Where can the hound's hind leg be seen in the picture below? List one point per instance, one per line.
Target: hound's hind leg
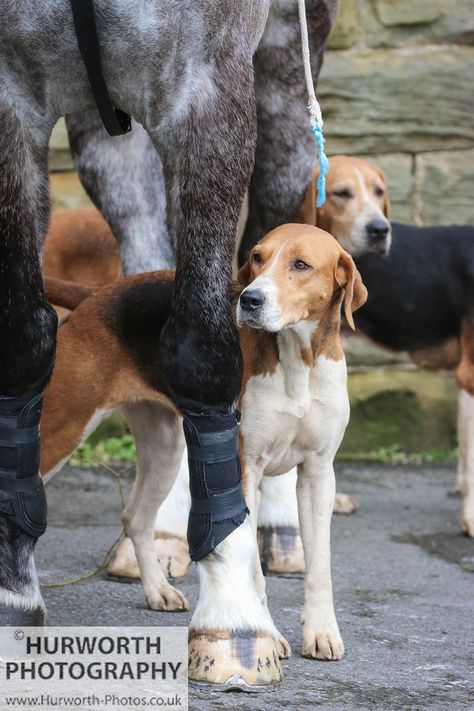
(465, 378)
(466, 461)
(160, 443)
(123, 177)
(171, 546)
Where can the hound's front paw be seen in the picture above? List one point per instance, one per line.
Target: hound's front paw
(283, 646)
(345, 504)
(467, 517)
(166, 598)
(322, 640)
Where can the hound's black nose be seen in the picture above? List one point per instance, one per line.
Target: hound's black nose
(377, 230)
(252, 300)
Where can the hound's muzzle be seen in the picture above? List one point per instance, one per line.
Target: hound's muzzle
(378, 232)
(251, 301)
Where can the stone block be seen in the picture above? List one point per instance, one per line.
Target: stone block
(407, 12)
(446, 187)
(409, 100)
(345, 29)
(400, 23)
(407, 409)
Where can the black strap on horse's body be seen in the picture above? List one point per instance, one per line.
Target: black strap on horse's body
(116, 121)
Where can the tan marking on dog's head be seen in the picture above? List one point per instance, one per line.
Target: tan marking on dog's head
(357, 205)
(298, 273)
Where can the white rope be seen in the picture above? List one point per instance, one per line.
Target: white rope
(313, 108)
(313, 104)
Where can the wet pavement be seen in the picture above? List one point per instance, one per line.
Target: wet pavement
(403, 583)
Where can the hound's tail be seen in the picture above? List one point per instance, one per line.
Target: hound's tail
(66, 293)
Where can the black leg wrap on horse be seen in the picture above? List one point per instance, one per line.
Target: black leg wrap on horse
(22, 497)
(217, 501)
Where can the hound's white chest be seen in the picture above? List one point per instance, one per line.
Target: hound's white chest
(294, 410)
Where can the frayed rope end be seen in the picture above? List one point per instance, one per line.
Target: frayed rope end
(323, 164)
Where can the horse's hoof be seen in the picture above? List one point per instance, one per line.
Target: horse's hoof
(281, 550)
(14, 617)
(244, 660)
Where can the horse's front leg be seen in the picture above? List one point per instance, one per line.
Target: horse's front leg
(207, 155)
(27, 345)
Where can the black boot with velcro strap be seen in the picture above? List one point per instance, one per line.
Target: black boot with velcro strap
(217, 502)
(22, 497)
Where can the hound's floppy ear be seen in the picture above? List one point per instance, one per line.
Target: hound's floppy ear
(308, 213)
(386, 203)
(243, 275)
(355, 293)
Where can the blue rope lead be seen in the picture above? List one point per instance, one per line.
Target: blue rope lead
(323, 163)
(313, 107)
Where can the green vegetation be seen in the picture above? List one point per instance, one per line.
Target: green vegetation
(107, 451)
(117, 450)
(398, 416)
(396, 455)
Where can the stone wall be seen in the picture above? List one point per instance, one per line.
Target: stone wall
(397, 86)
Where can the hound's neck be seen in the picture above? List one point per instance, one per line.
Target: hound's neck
(295, 343)
(300, 345)
(295, 350)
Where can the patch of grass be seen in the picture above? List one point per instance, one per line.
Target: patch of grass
(116, 450)
(107, 451)
(394, 454)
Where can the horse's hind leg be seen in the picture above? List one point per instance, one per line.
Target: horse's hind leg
(27, 344)
(123, 177)
(286, 153)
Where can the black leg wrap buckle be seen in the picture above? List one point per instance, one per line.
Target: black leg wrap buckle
(217, 501)
(22, 497)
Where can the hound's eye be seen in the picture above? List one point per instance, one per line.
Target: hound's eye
(379, 192)
(300, 265)
(344, 194)
(257, 258)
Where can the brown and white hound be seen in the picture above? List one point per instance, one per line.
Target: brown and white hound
(294, 408)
